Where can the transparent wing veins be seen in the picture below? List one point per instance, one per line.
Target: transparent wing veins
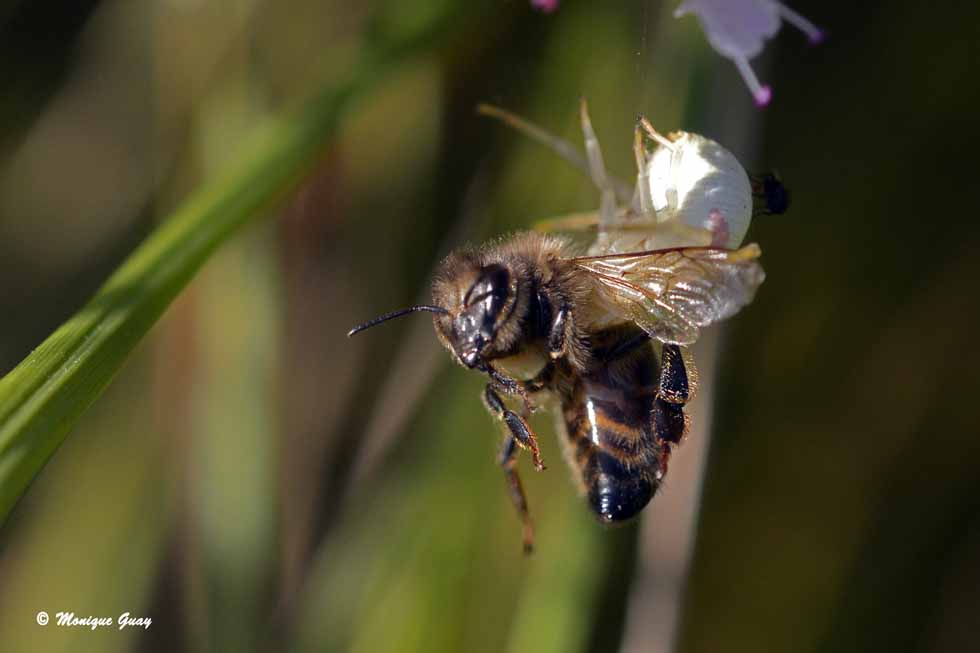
(672, 293)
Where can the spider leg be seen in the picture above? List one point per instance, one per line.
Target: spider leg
(558, 145)
(597, 168)
(655, 135)
(642, 201)
(671, 191)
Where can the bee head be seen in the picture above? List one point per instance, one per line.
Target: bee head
(479, 297)
(474, 301)
(474, 326)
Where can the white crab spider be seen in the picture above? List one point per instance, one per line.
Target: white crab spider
(692, 180)
(690, 191)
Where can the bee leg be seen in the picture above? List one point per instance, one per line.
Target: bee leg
(673, 385)
(669, 421)
(508, 460)
(564, 339)
(513, 387)
(673, 391)
(516, 424)
(597, 169)
(557, 333)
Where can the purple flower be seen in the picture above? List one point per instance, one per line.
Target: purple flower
(737, 29)
(545, 6)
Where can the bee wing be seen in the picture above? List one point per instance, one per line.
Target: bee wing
(672, 293)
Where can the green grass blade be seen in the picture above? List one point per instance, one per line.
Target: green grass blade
(45, 394)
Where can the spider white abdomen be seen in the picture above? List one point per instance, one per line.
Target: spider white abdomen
(700, 183)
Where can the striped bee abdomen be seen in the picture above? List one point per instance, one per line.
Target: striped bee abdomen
(610, 427)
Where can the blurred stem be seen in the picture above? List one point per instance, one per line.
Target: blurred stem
(41, 399)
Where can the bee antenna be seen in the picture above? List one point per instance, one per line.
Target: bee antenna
(392, 315)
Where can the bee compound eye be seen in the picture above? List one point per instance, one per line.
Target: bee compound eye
(490, 288)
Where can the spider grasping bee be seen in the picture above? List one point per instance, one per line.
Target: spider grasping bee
(601, 337)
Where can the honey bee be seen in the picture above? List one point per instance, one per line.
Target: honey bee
(601, 337)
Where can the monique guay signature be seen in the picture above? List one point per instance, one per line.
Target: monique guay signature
(125, 620)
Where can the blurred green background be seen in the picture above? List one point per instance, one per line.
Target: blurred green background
(254, 481)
